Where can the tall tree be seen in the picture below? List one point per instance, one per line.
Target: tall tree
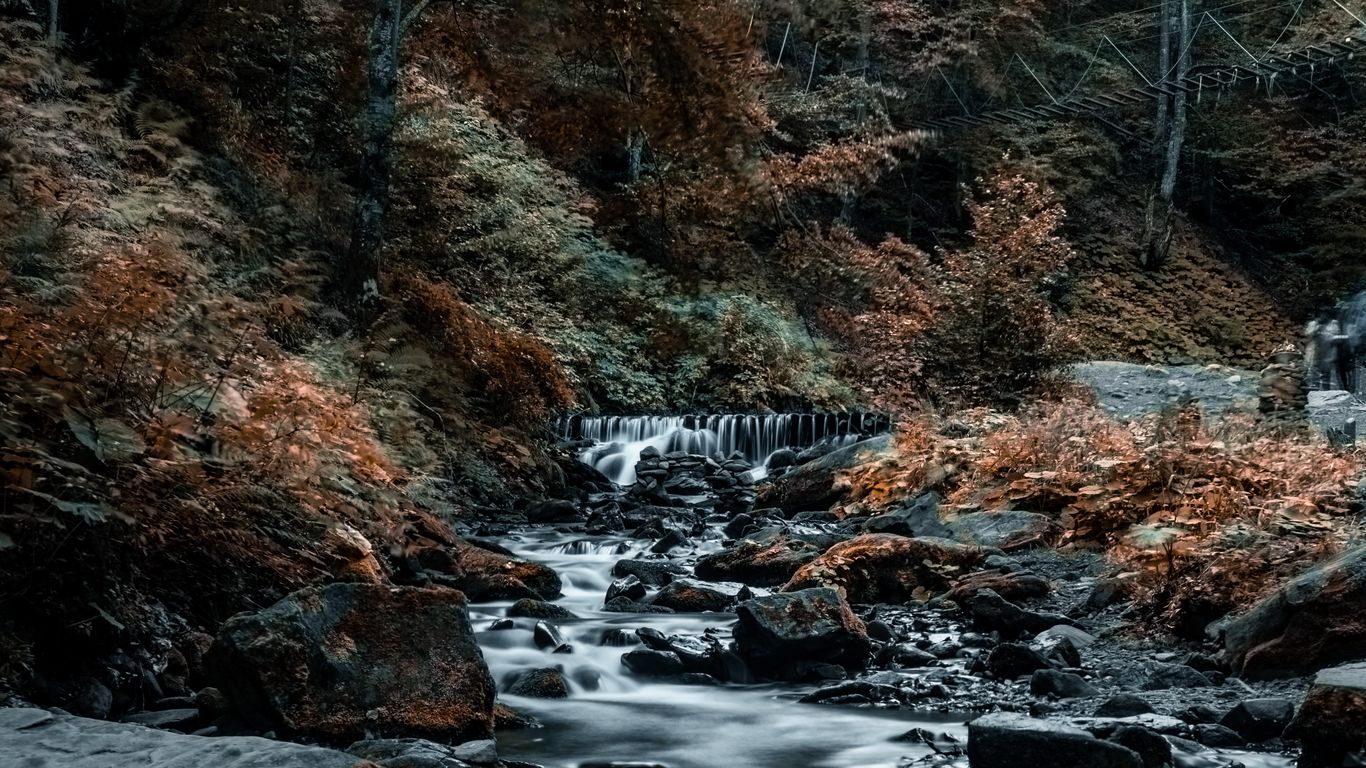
(358, 270)
(1170, 135)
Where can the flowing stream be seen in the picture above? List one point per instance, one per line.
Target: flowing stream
(626, 718)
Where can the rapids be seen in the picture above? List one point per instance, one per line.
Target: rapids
(611, 715)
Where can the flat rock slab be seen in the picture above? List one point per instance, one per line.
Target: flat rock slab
(35, 738)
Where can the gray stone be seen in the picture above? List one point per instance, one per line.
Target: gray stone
(1260, 719)
(811, 625)
(1008, 661)
(1154, 750)
(1009, 740)
(31, 737)
(1331, 723)
(1063, 685)
(183, 720)
(1124, 705)
(1006, 530)
(1175, 676)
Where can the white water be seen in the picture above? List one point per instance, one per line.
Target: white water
(620, 439)
(627, 718)
(635, 719)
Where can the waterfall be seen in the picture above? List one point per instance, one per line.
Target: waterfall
(618, 440)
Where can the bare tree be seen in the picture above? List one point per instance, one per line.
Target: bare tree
(1171, 128)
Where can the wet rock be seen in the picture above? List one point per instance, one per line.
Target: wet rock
(941, 743)
(486, 576)
(1215, 735)
(852, 691)
(629, 587)
(691, 596)
(553, 511)
(506, 718)
(528, 608)
(993, 613)
(882, 567)
(1105, 593)
(212, 702)
(183, 720)
(1008, 661)
(546, 636)
(1175, 676)
(818, 483)
(539, 683)
(1007, 530)
(1259, 719)
(34, 737)
(653, 663)
(1124, 705)
(626, 605)
(1313, 620)
(908, 655)
(619, 638)
(420, 753)
(1062, 685)
(1008, 740)
(1331, 723)
(332, 662)
(781, 458)
(1057, 648)
(767, 564)
(1151, 748)
(654, 573)
(775, 632)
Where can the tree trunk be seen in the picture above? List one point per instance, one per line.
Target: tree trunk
(1160, 206)
(635, 155)
(358, 273)
(52, 19)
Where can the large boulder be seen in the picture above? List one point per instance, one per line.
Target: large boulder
(693, 596)
(779, 633)
(768, 562)
(918, 518)
(485, 575)
(1315, 619)
(34, 737)
(886, 568)
(1331, 723)
(343, 661)
(820, 483)
(1009, 740)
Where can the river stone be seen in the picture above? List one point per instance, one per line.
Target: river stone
(885, 568)
(420, 753)
(1331, 722)
(818, 484)
(341, 661)
(692, 596)
(1020, 585)
(918, 518)
(1006, 530)
(655, 573)
(1259, 719)
(1124, 705)
(1009, 740)
(1175, 676)
(1313, 620)
(628, 587)
(486, 576)
(1008, 661)
(993, 613)
(653, 663)
(1217, 736)
(1063, 685)
(1151, 748)
(767, 564)
(33, 737)
(183, 720)
(539, 683)
(539, 609)
(776, 632)
(623, 604)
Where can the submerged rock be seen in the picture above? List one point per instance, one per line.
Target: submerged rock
(34, 737)
(539, 683)
(883, 567)
(1259, 719)
(1313, 620)
(539, 609)
(774, 634)
(342, 661)
(1008, 740)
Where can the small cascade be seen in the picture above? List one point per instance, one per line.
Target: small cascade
(618, 440)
